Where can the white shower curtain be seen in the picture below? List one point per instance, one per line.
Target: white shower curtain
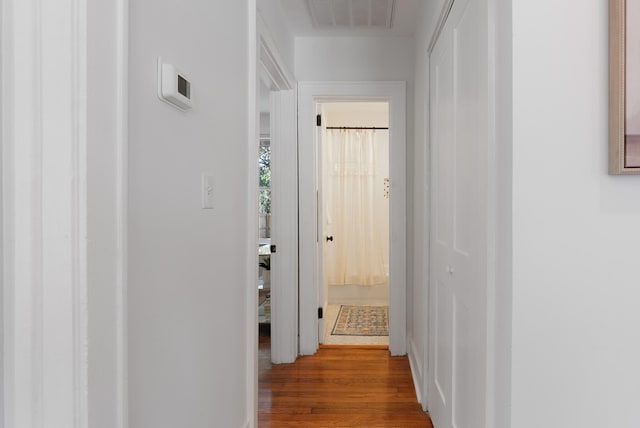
(353, 213)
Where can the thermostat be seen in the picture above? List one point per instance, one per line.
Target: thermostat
(173, 86)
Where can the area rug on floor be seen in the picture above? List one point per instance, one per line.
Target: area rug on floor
(362, 321)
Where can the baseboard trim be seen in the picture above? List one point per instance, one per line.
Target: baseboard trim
(415, 371)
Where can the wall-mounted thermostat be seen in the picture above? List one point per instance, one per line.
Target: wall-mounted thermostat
(173, 86)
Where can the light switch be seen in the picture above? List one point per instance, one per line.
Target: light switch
(207, 191)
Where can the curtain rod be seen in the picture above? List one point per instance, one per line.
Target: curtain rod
(353, 127)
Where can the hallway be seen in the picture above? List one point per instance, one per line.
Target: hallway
(339, 388)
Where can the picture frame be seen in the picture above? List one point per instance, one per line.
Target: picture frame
(624, 87)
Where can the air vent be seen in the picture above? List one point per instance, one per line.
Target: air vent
(351, 13)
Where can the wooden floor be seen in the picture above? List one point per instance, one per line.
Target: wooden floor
(338, 388)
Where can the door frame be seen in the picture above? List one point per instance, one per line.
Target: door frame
(284, 203)
(272, 70)
(55, 263)
(309, 94)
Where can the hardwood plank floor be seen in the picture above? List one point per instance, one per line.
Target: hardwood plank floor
(338, 388)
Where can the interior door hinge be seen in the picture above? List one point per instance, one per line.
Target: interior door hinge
(318, 120)
(319, 313)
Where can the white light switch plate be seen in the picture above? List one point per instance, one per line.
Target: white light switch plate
(207, 191)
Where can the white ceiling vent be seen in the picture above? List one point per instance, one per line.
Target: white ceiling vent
(351, 13)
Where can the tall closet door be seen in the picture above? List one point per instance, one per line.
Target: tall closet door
(458, 276)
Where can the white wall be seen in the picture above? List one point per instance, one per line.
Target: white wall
(355, 59)
(576, 342)
(275, 20)
(356, 114)
(418, 295)
(187, 266)
(632, 64)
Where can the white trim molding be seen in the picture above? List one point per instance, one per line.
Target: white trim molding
(106, 176)
(310, 93)
(442, 19)
(44, 201)
(251, 357)
(272, 67)
(417, 371)
(122, 196)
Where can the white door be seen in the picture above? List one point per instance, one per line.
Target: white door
(458, 284)
(284, 233)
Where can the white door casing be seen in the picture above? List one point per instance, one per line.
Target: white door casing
(321, 277)
(44, 90)
(460, 126)
(284, 198)
(64, 212)
(309, 94)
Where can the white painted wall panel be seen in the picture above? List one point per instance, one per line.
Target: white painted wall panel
(187, 291)
(576, 342)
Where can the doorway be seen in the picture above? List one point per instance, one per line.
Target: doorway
(277, 256)
(264, 217)
(312, 239)
(354, 198)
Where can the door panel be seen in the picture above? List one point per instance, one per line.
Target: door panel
(443, 335)
(441, 328)
(459, 128)
(284, 207)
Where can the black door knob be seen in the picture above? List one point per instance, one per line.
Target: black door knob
(329, 238)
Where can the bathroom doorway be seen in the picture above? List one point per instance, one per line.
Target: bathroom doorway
(311, 242)
(354, 200)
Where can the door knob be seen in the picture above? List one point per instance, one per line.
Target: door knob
(329, 238)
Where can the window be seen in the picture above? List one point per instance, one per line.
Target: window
(264, 177)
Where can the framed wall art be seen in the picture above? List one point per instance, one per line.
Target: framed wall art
(624, 87)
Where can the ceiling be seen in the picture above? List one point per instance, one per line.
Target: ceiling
(301, 24)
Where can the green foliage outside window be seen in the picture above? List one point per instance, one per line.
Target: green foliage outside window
(264, 177)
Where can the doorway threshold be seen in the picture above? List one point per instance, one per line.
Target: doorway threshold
(376, 347)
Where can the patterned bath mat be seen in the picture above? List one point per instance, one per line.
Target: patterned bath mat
(362, 321)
